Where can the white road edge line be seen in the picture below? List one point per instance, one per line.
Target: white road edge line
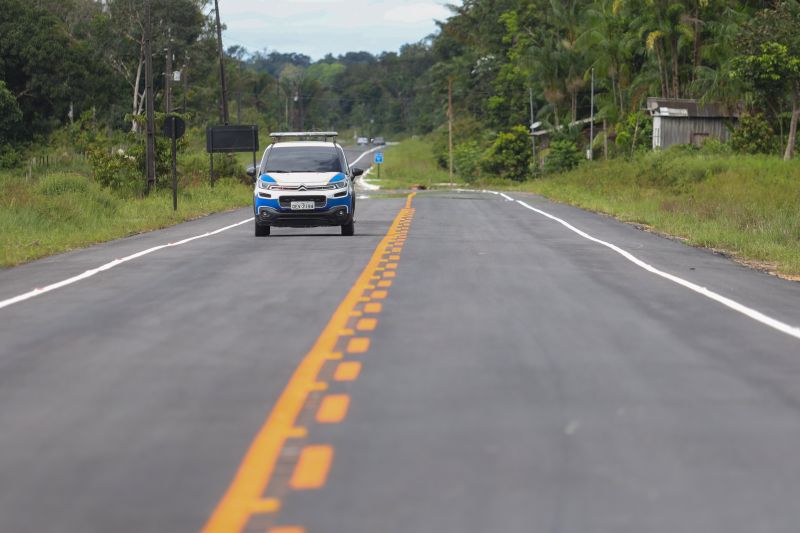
(116, 262)
(753, 314)
(108, 266)
(365, 154)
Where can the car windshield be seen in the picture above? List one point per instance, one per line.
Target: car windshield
(303, 159)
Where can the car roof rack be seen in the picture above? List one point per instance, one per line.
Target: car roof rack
(304, 135)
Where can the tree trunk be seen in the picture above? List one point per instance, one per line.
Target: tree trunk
(676, 81)
(574, 106)
(137, 108)
(605, 140)
(663, 71)
(789, 153)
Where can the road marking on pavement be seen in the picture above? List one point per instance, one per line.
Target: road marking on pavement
(267, 505)
(367, 324)
(373, 308)
(112, 264)
(333, 408)
(749, 312)
(358, 345)
(254, 476)
(287, 529)
(311, 471)
(347, 371)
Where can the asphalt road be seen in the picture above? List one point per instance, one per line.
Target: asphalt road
(487, 369)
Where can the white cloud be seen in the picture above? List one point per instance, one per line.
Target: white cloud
(418, 13)
(318, 27)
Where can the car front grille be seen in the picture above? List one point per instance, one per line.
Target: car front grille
(286, 201)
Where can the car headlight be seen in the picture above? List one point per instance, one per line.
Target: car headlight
(263, 185)
(340, 184)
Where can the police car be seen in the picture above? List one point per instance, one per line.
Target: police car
(304, 180)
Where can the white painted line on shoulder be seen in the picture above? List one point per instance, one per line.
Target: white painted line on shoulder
(507, 197)
(365, 154)
(727, 302)
(108, 266)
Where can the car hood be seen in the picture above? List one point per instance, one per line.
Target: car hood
(305, 178)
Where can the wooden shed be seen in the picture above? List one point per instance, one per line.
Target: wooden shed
(679, 121)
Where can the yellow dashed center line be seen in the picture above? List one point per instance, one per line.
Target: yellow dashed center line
(312, 467)
(367, 324)
(358, 345)
(333, 408)
(245, 496)
(373, 308)
(347, 371)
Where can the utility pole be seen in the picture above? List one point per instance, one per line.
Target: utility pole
(450, 124)
(150, 159)
(168, 78)
(533, 139)
(591, 123)
(225, 119)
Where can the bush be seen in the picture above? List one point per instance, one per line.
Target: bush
(509, 157)
(753, 136)
(117, 169)
(9, 156)
(563, 156)
(466, 160)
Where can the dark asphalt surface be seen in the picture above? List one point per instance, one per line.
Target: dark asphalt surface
(520, 379)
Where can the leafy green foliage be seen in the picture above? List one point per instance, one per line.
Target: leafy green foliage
(563, 156)
(466, 160)
(753, 136)
(509, 156)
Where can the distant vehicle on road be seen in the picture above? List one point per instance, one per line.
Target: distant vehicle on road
(362, 141)
(379, 141)
(304, 180)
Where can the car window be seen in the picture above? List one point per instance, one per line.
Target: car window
(303, 159)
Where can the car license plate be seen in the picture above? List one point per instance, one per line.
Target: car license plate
(301, 206)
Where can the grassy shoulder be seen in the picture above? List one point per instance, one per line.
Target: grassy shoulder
(409, 164)
(67, 210)
(746, 206)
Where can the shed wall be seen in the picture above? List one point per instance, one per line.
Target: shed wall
(689, 130)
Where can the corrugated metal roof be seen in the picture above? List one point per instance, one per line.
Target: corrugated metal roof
(678, 107)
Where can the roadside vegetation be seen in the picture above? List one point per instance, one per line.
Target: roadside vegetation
(87, 188)
(66, 210)
(409, 165)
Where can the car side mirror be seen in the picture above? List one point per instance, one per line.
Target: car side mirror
(251, 171)
(357, 172)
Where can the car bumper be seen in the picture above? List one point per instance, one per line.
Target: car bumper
(329, 210)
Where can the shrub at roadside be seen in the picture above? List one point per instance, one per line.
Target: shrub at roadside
(466, 160)
(509, 157)
(563, 156)
(753, 136)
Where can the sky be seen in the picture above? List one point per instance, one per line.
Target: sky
(318, 27)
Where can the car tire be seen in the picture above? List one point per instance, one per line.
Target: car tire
(348, 229)
(262, 230)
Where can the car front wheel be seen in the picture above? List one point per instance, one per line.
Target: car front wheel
(261, 230)
(348, 229)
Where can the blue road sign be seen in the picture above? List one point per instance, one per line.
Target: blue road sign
(379, 157)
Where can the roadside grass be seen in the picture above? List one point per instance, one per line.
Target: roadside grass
(66, 210)
(745, 206)
(408, 165)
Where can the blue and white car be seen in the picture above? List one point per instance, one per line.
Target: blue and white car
(304, 183)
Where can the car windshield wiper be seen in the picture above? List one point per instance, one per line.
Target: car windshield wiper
(280, 171)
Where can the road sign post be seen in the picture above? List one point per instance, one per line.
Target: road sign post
(379, 161)
(174, 128)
